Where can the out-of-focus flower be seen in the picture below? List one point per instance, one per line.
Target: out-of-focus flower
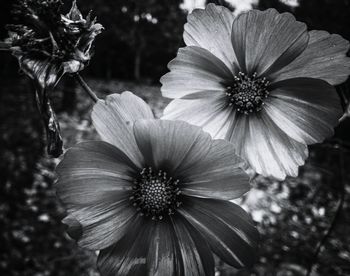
(261, 81)
(153, 197)
(48, 45)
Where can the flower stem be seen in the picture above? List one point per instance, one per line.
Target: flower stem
(339, 208)
(85, 86)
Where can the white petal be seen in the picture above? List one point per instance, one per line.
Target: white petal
(211, 29)
(324, 58)
(194, 70)
(265, 41)
(218, 175)
(171, 145)
(210, 113)
(267, 149)
(305, 109)
(114, 119)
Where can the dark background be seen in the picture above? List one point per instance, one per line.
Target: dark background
(140, 38)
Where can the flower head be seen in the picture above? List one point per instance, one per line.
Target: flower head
(153, 196)
(48, 45)
(261, 81)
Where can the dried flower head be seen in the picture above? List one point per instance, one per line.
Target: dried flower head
(48, 45)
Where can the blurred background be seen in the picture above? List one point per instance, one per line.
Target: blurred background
(140, 38)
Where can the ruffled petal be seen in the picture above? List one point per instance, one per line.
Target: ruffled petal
(305, 109)
(94, 182)
(226, 227)
(218, 175)
(266, 41)
(267, 149)
(194, 70)
(211, 29)
(324, 58)
(196, 255)
(103, 223)
(164, 255)
(129, 255)
(210, 113)
(171, 145)
(93, 172)
(114, 119)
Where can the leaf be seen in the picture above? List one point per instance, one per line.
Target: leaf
(45, 75)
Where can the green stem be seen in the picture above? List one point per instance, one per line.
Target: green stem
(85, 86)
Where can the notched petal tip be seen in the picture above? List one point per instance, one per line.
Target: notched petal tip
(306, 109)
(266, 41)
(114, 117)
(210, 29)
(324, 58)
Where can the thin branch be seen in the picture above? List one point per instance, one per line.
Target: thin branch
(85, 86)
(334, 221)
(346, 114)
(342, 89)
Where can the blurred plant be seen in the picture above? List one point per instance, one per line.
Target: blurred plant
(48, 45)
(147, 32)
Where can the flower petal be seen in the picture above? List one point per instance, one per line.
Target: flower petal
(196, 255)
(94, 182)
(306, 109)
(93, 172)
(211, 29)
(324, 58)
(226, 227)
(267, 149)
(114, 119)
(210, 113)
(266, 41)
(104, 223)
(218, 175)
(171, 145)
(129, 255)
(164, 256)
(74, 228)
(194, 70)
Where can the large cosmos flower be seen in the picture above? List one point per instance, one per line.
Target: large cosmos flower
(153, 196)
(261, 81)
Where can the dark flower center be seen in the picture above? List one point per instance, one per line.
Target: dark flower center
(247, 93)
(155, 194)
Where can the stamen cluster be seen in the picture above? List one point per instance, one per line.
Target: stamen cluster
(247, 94)
(155, 194)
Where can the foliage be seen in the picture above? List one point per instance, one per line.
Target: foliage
(145, 36)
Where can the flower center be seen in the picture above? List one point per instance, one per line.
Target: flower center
(246, 93)
(155, 194)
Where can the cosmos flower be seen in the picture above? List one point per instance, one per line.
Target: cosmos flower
(261, 81)
(153, 196)
(48, 45)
